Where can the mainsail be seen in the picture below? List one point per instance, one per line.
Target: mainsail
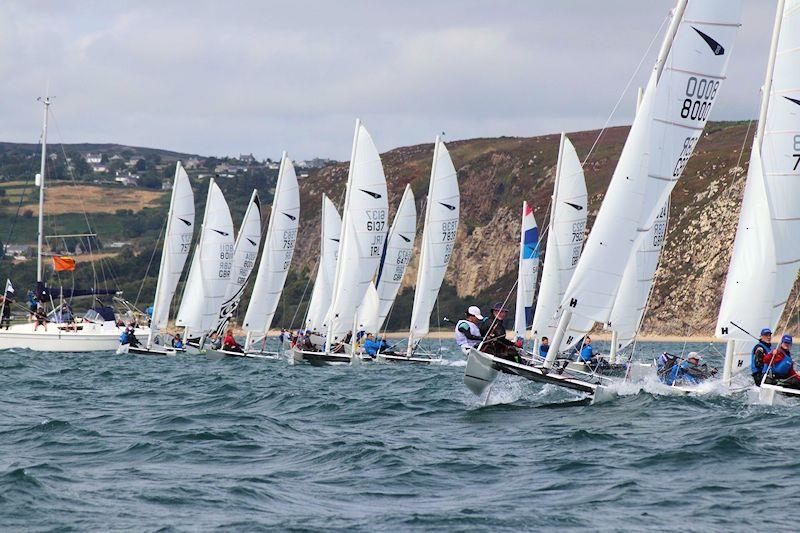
(564, 238)
(677, 102)
(330, 230)
(528, 270)
(438, 237)
(766, 257)
(276, 258)
(211, 266)
(383, 290)
(364, 227)
(177, 242)
(245, 252)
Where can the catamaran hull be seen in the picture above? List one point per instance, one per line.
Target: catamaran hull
(91, 338)
(127, 349)
(320, 358)
(482, 369)
(387, 358)
(767, 393)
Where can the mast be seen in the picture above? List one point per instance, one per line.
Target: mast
(46, 102)
(677, 15)
(425, 230)
(342, 233)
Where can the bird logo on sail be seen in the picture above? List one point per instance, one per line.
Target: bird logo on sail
(575, 206)
(717, 48)
(795, 100)
(373, 194)
(251, 241)
(291, 217)
(448, 206)
(185, 221)
(334, 240)
(404, 237)
(223, 233)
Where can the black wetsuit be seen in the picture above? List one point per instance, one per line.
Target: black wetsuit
(496, 343)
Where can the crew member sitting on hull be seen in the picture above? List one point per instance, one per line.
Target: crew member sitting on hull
(588, 357)
(373, 345)
(467, 333)
(177, 343)
(544, 347)
(215, 341)
(129, 337)
(779, 367)
(760, 350)
(493, 332)
(665, 365)
(690, 371)
(229, 344)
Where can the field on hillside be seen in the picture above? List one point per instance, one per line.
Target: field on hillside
(63, 199)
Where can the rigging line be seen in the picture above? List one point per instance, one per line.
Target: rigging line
(149, 263)
(624, 91)
(302, 298)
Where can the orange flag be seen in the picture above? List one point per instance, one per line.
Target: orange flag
(63, 263)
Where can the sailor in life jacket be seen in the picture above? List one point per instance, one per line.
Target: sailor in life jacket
(467, 332)
(778, 363)
(760, 350)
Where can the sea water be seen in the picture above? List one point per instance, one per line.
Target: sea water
(103, 442)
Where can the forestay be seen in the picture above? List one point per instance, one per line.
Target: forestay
(330, 230)
(527, 271)
(211, 266)
(364, 228)
(564, 238)
(177, 242)
(245, 252)
(438, 237)
(279, 245)
(395, 259)
(677, 102)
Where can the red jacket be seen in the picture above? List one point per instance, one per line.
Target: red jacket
(229, 341)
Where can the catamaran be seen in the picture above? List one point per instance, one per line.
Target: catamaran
(96, 331)
(681, 91)
(382, 292)
(210, 269)
(279, 244)
(361, 244)
(177, 242)
(766, 255)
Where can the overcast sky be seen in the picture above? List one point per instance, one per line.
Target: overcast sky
(223, 78)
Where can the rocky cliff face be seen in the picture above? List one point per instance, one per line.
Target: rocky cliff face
(495, 175)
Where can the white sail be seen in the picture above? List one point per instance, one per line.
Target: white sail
(677, 102)
(527, 271)
(395, 259)
(765, 257)
(276, 258)
(438, 237)
(364, 228)
(564, 238)
(637, 281)
(211, 266)
(245, 252)
(780, 156)
(177, 242)
(330, 230)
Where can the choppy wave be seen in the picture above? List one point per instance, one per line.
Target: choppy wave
(98, 442)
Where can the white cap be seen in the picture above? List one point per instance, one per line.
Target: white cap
(474, 310)
(694, 355)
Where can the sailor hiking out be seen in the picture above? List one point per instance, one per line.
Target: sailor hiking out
(779, 367)
(493, 332)
(467, 333)
(760, 350)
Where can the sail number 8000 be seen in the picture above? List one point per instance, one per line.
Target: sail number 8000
(700, 95)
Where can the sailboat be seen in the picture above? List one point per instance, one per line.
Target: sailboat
(177, 242)
(564, 240)
(210, 270)
(330, 231)
(245, 252)
(279, 245)
(438, 239)
(382, 292)
(766, 256)
(95, 331)
(361, 243)
(692, 62)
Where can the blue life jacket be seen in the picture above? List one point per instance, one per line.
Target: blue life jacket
(371, 346)
(754, 366)
(543, 350)
(177, 344)
(587, 353)
(784, 367)
(678, 373)
(123, 337)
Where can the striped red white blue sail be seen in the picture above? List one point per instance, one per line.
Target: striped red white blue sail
(528, 270)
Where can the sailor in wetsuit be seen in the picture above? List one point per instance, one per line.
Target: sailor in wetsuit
(493, 332)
